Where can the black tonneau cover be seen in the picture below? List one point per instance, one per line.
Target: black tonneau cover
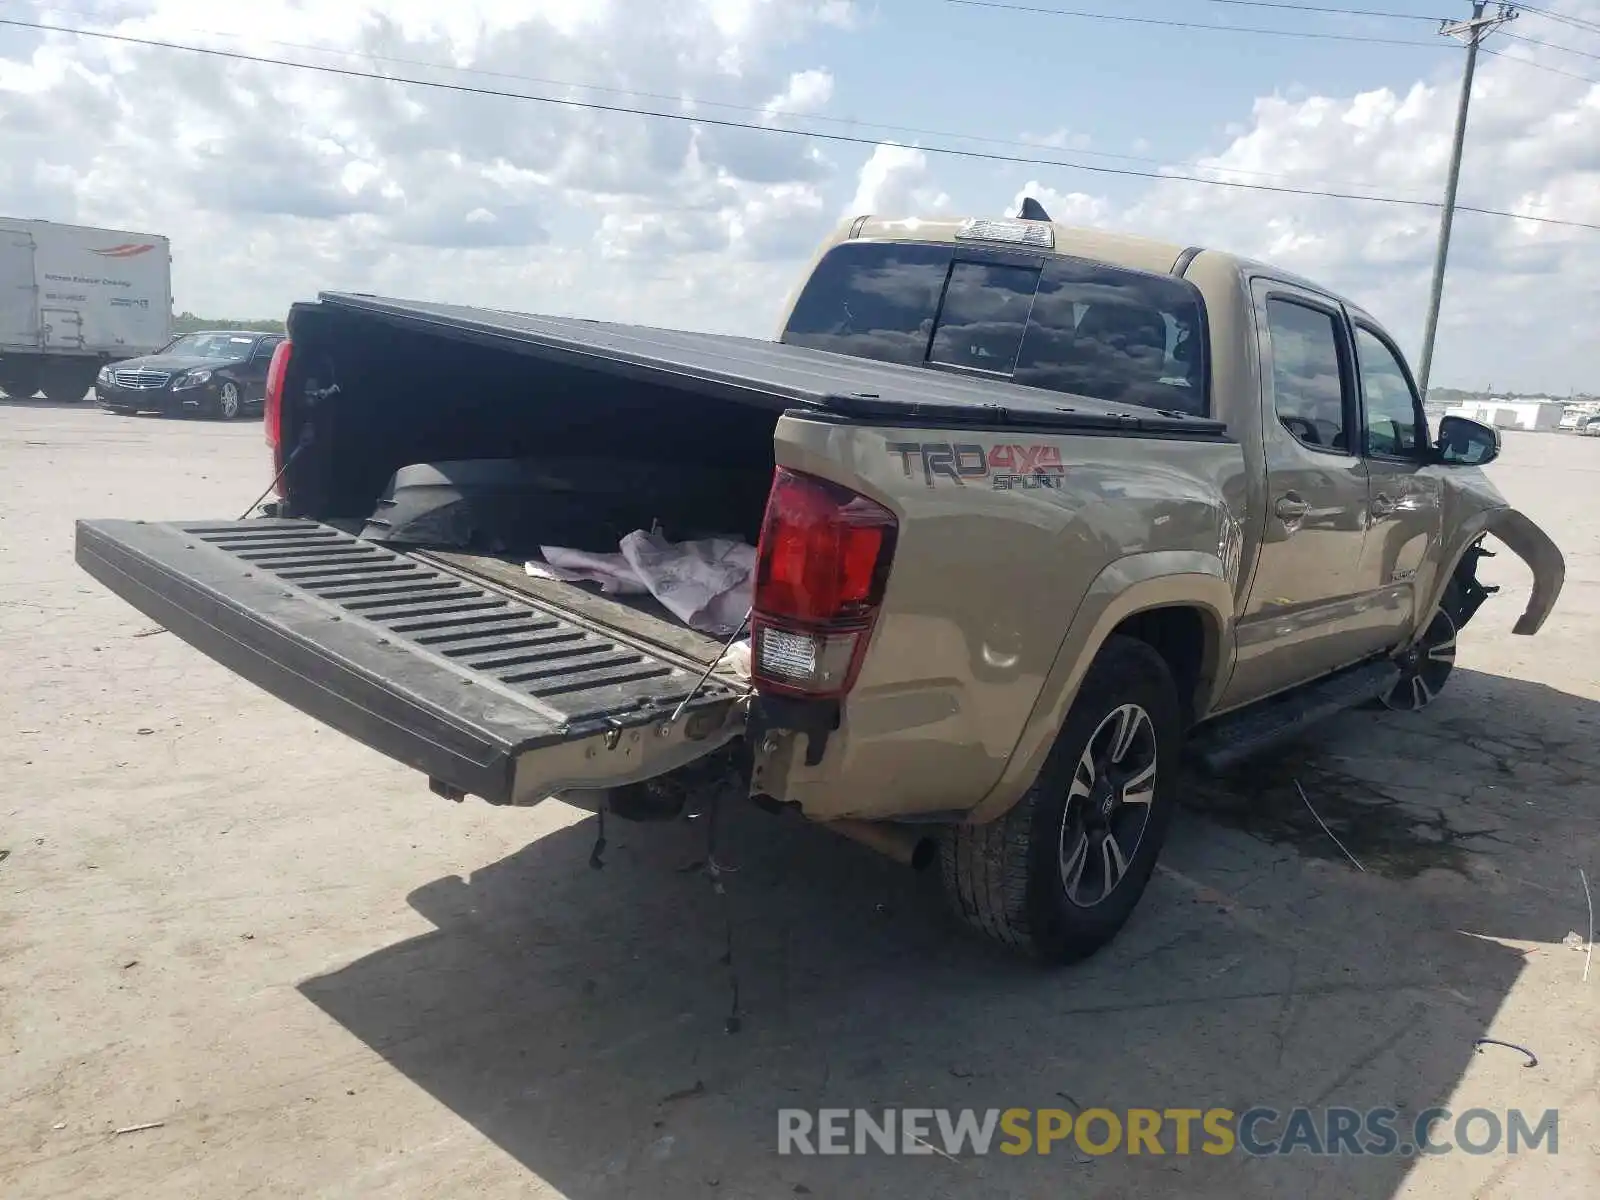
(769, 374)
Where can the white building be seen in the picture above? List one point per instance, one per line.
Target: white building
(1512, 414)
(1579, 413)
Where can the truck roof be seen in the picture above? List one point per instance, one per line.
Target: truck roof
(30, 222)
(1102, 245)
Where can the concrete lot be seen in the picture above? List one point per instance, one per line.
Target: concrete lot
(322, 980)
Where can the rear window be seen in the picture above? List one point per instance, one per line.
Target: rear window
(985, 316)
(879, 305)
(1064, 324)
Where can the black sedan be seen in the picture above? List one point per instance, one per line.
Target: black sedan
(222, 374)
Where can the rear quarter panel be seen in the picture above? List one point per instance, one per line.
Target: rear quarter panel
(1017, 553)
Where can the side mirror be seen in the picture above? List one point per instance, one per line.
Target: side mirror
(1467, 443)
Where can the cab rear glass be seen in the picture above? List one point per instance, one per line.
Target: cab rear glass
(1065, 324)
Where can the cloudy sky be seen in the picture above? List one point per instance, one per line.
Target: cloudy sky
(274, 182)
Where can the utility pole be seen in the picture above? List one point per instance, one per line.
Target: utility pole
(1472, 32)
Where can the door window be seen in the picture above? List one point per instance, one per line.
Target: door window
(1308, 374)
(1389, 403)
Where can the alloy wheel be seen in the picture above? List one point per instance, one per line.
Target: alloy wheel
(1108, 805)
(1425, 667)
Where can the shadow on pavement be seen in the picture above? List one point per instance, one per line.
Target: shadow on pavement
(37, 401)
(576, 1017)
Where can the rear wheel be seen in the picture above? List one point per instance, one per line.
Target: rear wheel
(19, 380)
(66, 381)
(1060, 874)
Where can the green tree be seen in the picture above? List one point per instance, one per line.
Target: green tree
(187, 322)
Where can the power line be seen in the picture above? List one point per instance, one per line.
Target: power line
(699, 102)
(1539, 66)
(1163, 21)
(1321, 10)
(818, 135)
(1553, 46)
(1298, 33)
(1561, 18)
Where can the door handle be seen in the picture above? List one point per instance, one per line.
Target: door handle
(1382, 506)
(1291, 508)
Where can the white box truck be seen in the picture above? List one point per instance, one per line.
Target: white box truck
(73, 298)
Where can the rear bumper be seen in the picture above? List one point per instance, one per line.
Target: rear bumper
(418, 669)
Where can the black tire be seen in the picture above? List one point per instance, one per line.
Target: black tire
(19, 380)
(1009, 878)
(67, 381)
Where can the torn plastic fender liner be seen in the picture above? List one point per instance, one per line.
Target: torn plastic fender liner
(1534, 547)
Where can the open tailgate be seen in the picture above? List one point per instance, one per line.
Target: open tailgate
(487, 692)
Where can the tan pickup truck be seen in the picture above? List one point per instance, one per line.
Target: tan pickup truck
(1032, 511)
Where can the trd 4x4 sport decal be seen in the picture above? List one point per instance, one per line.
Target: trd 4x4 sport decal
(1006, 467)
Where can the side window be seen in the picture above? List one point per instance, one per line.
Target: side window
(265, 347)
(872, 300)
(1308, 374)
(1390, 405)
(984, 317)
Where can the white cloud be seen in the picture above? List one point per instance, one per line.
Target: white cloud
(897, 182)
(808, 91)
(1513, 289)
(276, 183)
(841, 14)
(1519, 296)
(1070, 208)
(1060, 139)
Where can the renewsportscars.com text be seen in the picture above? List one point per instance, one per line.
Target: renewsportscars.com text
(1258, 1132)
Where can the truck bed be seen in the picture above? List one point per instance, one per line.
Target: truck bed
(490, 691)
(417, 383)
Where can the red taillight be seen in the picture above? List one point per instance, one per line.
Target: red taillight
(820, 576)
(272, 410)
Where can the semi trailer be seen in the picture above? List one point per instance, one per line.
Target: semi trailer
(74, 298)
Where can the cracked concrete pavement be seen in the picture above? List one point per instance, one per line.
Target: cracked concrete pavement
(311, 977)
